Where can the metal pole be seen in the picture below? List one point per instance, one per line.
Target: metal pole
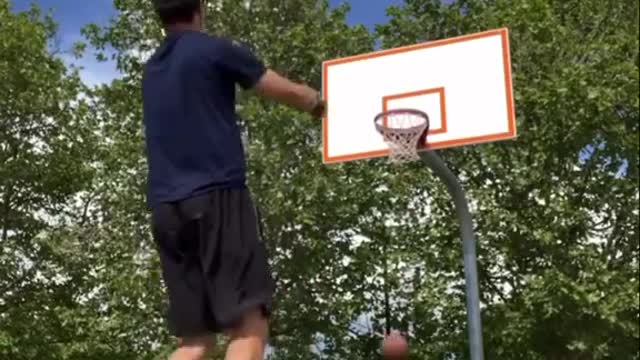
(431, 159)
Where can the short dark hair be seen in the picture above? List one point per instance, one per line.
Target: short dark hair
(175, 11)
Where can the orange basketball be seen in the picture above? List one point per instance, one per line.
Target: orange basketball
(395, 346)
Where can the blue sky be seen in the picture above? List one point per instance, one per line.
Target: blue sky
(71, 15)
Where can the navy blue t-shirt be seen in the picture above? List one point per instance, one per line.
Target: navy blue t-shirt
(193, 141)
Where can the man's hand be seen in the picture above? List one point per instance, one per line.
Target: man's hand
(298, 96)
(320, 109)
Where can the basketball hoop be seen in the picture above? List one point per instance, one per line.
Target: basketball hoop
(403, 130)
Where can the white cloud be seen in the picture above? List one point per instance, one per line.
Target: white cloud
(92, 71)
(95, 73)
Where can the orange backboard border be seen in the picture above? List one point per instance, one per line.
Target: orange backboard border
(506, 54)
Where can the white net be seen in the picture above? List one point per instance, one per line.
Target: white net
(401, 130)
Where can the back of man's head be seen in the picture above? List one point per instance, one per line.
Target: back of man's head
(177, 11)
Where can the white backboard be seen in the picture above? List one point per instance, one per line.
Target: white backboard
(462, 83)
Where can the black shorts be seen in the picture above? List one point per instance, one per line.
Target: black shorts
(214, 262)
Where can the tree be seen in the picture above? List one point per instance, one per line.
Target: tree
(45, 157)
(557, 212)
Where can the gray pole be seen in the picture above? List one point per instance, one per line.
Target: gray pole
(431, 159)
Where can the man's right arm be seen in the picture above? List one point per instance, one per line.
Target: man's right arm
(276, 87)
(248, 71)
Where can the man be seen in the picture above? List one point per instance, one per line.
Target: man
(213, 259)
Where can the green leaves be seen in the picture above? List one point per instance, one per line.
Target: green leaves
(538, 199)
(46, 147)
(555, 210)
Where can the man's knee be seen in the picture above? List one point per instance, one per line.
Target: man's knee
(194, 347)
(253, 325)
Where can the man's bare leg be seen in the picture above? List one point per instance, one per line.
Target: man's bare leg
(249, 339)
(193, 348)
